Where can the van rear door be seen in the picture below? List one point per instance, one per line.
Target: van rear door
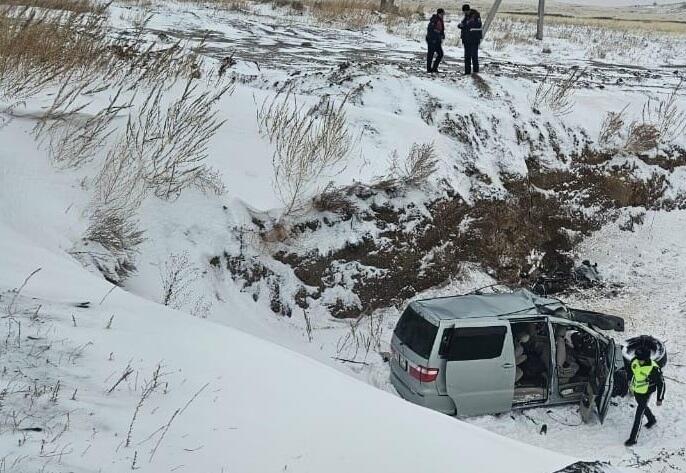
(480, 368)
(605, 376)
(412, 344)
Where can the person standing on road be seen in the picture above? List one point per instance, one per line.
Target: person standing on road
(471, 34)
(647, 378)
(435, 34)
(465, 12)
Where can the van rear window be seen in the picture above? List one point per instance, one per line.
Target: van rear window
(473, 343)
(416, 332)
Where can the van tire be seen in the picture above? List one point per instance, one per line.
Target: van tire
(655, 345)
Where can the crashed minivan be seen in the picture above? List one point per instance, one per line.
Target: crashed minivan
(481, 354)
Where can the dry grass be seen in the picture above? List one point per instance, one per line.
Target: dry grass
(310, 143)
(38, 48)
(611, 128)
(418, 166)
(71, 50)
(557, 96)
(361, 13)
(662, 122)
(335, 200)
(76, 6)
(350, 12)
(642, 137)
(599, 37)
(617, 24)
(67, 57)
(169, 144)
(666, 115)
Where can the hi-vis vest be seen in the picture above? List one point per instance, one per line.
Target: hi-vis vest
(640, 383)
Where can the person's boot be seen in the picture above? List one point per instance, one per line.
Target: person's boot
(651, 423)
(434, 68)
(630, 443)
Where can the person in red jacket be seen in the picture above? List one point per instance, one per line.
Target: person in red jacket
(435, 34)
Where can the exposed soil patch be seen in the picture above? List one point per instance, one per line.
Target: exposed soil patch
(668, 160)
(254, 277)
(498, 234)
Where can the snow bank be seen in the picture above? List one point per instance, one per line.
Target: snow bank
(264, 408)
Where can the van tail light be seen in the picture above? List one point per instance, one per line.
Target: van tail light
(423, 374)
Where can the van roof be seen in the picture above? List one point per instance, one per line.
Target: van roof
(520, 302)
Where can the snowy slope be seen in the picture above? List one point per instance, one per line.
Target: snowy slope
(258, 408)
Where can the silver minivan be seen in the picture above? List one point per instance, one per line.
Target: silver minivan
(481, 354)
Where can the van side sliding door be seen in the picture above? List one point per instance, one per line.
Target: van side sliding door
(480, 367)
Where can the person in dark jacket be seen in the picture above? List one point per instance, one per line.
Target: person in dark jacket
(435, 34)
(465, 12)
(647, 378)
(471, 34)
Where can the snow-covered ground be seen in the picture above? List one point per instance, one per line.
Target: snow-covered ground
(262, 407)
(221, 401)
(650, 265)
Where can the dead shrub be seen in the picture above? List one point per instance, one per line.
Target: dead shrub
(116, 229)
(358, 14)
(556, 95)
(169, 144)
(278, 233)
(642, 137)
(661, 122)
(73, 140)
(418, 166)
(348, 13)
(666, 116)
(295, 5)
(611, 127)
(334, 200)
(111, 243)
(239, 6)
(209, 181)
(309, 144)
(177, 275)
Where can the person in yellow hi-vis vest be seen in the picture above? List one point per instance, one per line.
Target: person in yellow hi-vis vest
(647, 378)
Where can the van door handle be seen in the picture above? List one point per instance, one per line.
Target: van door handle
(508, 365)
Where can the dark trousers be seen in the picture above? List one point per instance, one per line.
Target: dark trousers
(471, 57)
(641, 410)
(435, 48)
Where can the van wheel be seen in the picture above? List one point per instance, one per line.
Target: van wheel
(658, 351)
(621, 385)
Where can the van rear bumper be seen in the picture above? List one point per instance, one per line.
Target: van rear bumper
(436, 402)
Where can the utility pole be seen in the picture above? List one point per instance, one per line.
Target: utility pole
(541, 14)
(491, 15)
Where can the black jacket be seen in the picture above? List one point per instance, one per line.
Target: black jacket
(463, 30)
(471, 28)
